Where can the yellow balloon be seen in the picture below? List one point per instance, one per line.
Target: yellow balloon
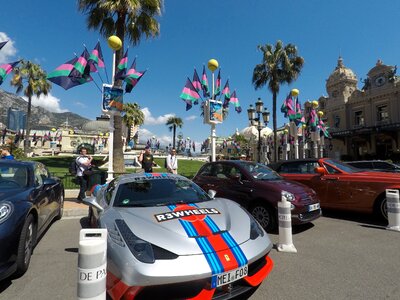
(320, 113)
(212, 64)
(114, 42)
(295, 92)
(315, 104)
(285, 131)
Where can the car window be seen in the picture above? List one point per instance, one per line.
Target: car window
(38, 177)
(331, 170)
(299, 167)
(383, 165)
(159, 192)
(205, 170)
(362, 165)
(13, 176)
(109, 192)
(260, 172)
(220, 171)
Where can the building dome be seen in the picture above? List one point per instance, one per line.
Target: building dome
(96, 126)
(341, 73)
(251, 132)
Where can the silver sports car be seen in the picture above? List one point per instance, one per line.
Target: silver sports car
(168, 239)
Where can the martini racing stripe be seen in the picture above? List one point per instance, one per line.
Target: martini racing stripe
(237, 251)
(205, 247)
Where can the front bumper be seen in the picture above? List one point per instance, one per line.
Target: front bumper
(195, 290)
(305, 217)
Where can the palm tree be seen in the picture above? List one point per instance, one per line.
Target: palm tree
(32, 79)
(280, 64)
(123, 18)
(172, 123)
(133, 116)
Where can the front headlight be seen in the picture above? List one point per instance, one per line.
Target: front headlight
(141, 249)
(289, 196)
(6, 209)
(255, 229)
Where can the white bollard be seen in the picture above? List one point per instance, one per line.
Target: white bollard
(393, 209)
(285, 227)
(92, 264)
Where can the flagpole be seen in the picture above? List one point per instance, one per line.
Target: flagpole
(115, 44)
(212, 66)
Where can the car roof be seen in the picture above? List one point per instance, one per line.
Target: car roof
(17, 162)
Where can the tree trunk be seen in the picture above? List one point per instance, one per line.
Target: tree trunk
(173, 139)
(274, 125)
(28, 126)
(118, 155)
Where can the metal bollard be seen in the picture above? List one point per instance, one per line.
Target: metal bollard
(285, 227)
(393, 209)
(92, 264)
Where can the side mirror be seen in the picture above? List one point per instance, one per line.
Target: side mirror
(211, 193)
(320, 170)
(91, 201)
(49, 181)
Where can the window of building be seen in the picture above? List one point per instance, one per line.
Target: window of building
(382, 113)
(359, 118)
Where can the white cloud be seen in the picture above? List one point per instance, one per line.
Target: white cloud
(150, 120)
(8, 51)
(191, 118)
(80, 104)
(48, 102)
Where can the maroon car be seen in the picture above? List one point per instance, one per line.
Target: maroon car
(258, 189)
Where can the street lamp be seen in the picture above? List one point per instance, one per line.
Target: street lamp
(53, 141)
(255, 115)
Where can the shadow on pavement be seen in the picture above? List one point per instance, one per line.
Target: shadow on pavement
(85, 222)
(71, 250)
(5, 284)
(367, 220)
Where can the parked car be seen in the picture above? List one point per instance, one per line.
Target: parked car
(29, 200)
(340, 185)
(258, 189)
(375, 165)
(168, 239)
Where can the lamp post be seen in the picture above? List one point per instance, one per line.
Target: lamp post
(212, 66)
(255, 115)
(53, 140)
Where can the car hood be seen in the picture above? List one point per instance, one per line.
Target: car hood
(11, 194)
(171, 227)
(285, 185)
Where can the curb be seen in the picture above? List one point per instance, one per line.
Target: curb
(73, 209)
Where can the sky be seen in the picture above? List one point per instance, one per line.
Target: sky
(192, 32)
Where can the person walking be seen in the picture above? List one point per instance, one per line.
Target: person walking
(147, 160)
(83, 163)
(172, 162)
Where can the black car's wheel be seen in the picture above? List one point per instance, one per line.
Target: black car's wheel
(61, 207)
(381, 208)
(25, 245)
(265, 215)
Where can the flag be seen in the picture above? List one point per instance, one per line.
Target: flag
(189, 94)
(121, 68)
(313, 120)
(132, 77)
(196, 81)
(217, 91)
(226, 93)
(2, 44)
(81, 67)
(96, 58)
(235, 101)
(6, 69)
(204, 84)
(60, 75)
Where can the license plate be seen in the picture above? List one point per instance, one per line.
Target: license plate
(313, 207)
(228, 277)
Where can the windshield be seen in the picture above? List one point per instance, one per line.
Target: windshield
(343, 166)
(260, 172)
(160, 192)
(13, 176)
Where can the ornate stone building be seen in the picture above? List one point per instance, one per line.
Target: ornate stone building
(364, 123)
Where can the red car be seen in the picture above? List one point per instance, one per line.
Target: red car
(258, 189)
(341, 186)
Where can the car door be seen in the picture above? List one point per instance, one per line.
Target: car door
(40, 197)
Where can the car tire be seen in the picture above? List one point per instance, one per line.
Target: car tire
(60, 208)
(26, 245)
(264, 215)
(380, 208)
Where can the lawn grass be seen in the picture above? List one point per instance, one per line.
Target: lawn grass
(59, 165)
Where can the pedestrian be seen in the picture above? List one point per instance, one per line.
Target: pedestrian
(84, 164)
(147, 160)
(172, 162)
(5, 153)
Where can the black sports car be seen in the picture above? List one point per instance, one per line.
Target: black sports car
(29, 200)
